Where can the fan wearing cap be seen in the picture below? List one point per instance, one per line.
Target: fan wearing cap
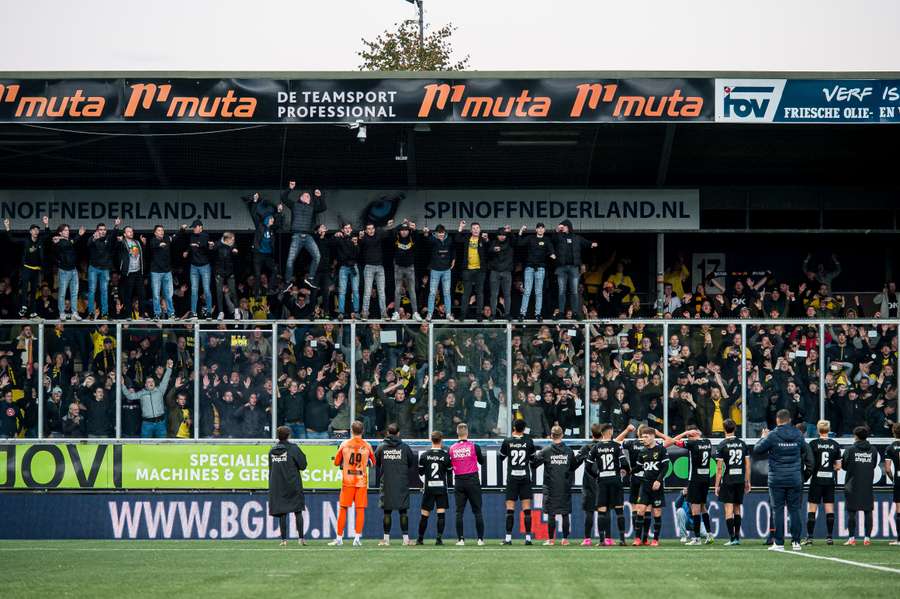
(405, 267)
(32, 264)
(500, 268)
(199, 254)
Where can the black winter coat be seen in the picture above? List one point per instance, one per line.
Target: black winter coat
(286, 460)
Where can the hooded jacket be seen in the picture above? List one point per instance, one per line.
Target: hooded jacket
(396, 467)
(560, 463)
(500, 253)
(569, 246)
(788, 455)
(286, 460)
(859, 462)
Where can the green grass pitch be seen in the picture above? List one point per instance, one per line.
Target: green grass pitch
(99, 569)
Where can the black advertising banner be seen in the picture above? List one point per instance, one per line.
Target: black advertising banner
(350, 100)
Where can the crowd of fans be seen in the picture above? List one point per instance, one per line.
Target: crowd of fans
(406, 272)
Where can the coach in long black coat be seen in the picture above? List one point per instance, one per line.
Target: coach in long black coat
(286, 461)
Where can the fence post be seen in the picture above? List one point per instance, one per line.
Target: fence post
(430, 378)
(196, 326)
(351, 397)
(119, 380)
(40, 378)
(274, 378)
(508, 390)
(587, 380)
(743, 380)
(821, 370)
(665, 367)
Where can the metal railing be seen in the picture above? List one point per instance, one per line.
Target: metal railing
(660, 329)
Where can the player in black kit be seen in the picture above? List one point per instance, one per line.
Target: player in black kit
(732, 479)
(892, 470)
(517, 451)
(653, 461)
(699, 456)
(434, 466)
(859, 462)
(827, 455)
(607, 465)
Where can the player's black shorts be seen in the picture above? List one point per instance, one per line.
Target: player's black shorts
(609, 494)
(731, 493)
(647, 496)
(698, 491)
(430, 500)
(635, 490)
(465, 490)
(820, 493)
(519, 489)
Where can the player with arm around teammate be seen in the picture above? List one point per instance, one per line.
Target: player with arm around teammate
(653, 461)
(699, 456)
(732, 479)
(826, 463)
(607, 463)
(517, 450)
(435, 467)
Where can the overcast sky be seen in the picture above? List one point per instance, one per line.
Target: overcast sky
(303, 35)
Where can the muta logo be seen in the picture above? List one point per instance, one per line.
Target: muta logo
(77, 105)
(746, 101)
(228, 106)
(674, 105)
(437, 96)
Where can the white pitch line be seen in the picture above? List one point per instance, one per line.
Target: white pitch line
(845, 561)
(536, 549)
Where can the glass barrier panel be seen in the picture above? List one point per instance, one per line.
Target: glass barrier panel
(470, 366)
(235, 381)
(625, 376)
(548, 382)
(392, 378)
(157, 368)
(783, 372)
(20, 365)
(860, 379)
(79, 379)
(704, 377)
(313, 367)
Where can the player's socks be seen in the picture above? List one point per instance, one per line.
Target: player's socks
(638, 525)
(551, 526)
(829, 525)
(696, 526)
(603, 525)
(527, 515)
(810, 524)
(459, 525)
(657, 527)
(404, 524)
(510, 516)
(441, 522)
(567, 523)
(737, 527)
(729, 523)
(342, 521)
(851, 524)
(387, 525)
(360, 520)
(706, 523)
(479, 525)
(869, 522)
(589, 525)
(423, 526)
(620, 522)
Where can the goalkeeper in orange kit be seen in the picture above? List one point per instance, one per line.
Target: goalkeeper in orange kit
(354, 456)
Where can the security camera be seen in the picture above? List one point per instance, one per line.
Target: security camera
(361, 134)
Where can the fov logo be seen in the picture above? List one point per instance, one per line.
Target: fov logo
(747, 100)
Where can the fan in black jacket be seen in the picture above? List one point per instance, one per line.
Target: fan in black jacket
(32, 264)
(224, 255)
(500, 263)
